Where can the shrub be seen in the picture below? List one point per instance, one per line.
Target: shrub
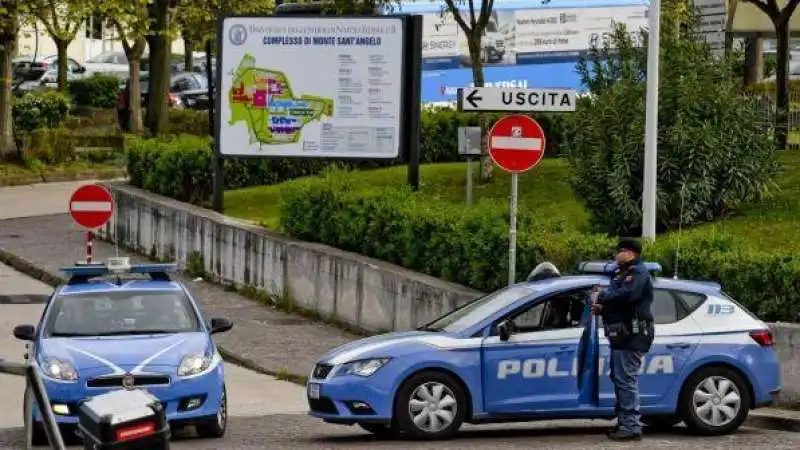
(188, 121)
(713, 154)
(96, 91)
(50, 146)
(46, 109)
(470, 245)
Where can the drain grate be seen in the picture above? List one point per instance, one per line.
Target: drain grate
(23, 299)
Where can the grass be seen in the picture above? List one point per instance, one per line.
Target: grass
(772, 223)
(545, 189)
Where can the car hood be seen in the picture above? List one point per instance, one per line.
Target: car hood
(389, 344)
(124, 353)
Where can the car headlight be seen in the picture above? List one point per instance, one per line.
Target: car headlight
(59, 369)
(194, 364)
(365, 367)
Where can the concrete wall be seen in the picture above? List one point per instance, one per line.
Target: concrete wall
(366, 293)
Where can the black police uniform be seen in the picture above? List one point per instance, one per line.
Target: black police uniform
(627, 301)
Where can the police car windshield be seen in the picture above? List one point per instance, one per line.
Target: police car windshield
(121, 313)
(477, 310)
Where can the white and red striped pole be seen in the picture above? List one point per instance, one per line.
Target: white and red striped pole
(89, 244)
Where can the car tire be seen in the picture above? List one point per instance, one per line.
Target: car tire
(714, 401)
(215, 427)
(424, 391)
(383, 430)
(39, 436)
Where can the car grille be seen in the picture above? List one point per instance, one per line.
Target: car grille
(321, 371)
(138, 380)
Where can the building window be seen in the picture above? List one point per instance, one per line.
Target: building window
(94, 27)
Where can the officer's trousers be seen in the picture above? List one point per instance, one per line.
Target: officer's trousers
(625, 366)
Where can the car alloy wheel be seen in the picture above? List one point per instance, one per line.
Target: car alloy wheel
(222, 414)
(714, 401)
(432, 407)
(717, 401)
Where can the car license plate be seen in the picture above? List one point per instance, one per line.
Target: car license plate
(313, 391)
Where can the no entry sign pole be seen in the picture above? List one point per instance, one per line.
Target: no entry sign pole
(91, 207)
(516, 145)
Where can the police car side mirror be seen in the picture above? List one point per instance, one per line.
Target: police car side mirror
(25, 332)
(220, 325)
(504, 330)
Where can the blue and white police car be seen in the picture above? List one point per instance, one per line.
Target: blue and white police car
(101, 332)
(520, 354)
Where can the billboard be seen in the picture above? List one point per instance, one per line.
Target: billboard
(310, 87)
(522, 33)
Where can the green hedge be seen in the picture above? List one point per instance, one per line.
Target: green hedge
(45, 109)
(96, 91)
(190, 146)
(469, 245)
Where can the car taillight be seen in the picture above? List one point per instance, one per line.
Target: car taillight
(764, 338)
(137, 431)
(173, 99)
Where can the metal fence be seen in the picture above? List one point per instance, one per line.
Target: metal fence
(34, 384)
(766, 105)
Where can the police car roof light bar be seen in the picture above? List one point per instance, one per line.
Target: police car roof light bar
(116, 266)
(609, 267)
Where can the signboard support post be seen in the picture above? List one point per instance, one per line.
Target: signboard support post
(469, 180)
(651, 124)
(217, 200)
(413, 68)
(512, 231)
(89, 245)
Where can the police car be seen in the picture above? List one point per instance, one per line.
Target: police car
(101, 332)
(520, 354)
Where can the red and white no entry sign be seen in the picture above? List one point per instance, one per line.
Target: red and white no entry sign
(516, 143)
(91, 206)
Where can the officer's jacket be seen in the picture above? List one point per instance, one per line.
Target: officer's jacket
(629, 296)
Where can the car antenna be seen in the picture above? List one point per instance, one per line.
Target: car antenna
(680, 229)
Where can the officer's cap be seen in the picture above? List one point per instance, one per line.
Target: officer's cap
(631, 244)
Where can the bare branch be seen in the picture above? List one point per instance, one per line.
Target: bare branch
(771, 10)
(787, 12)
(457, 16)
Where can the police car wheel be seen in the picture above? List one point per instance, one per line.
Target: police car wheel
(430, 405)
(715, 401)
(215, 427)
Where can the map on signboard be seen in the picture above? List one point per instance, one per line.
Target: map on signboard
(263, 99)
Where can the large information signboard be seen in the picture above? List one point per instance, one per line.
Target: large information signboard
(311, 87)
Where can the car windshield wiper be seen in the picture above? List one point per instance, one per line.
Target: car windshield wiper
(132, 332)
(57, 334)
(433, 329)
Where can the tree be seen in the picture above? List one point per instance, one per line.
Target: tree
(473, 24)
(780, 19)
(159, 40)
(9, 29)
(132, 23)
(62, 20)
(712, 152)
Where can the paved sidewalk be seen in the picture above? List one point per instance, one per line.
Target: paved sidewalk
(262, 338)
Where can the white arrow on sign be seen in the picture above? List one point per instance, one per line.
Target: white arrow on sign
(500, 99)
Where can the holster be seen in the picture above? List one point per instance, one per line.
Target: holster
(617, 333)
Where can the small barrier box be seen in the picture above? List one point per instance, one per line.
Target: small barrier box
(124, 419)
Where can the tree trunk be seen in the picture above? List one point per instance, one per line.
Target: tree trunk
(135, 93)
(61, 49)
(8, 41)
(159, 43)
(753, 61)
(782, 86)
(188, 50)
(474, 45)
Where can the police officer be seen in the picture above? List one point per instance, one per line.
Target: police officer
(628, 322)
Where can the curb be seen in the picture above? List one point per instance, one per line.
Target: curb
(30, 269)
(766, 421)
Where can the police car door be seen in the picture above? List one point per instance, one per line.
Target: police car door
(677, 337)
(535, 368)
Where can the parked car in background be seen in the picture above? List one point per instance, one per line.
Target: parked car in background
(109, 63)
(29, 68)
(48, 80)
(186, 90)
